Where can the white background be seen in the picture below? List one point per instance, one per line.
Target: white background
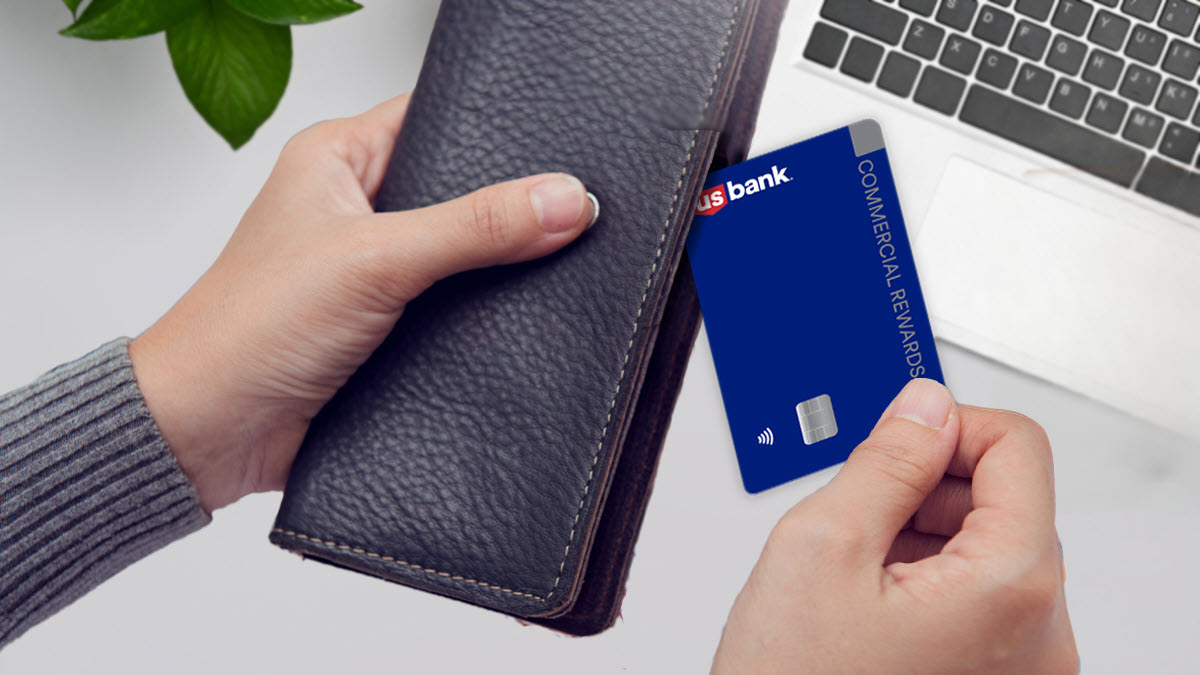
(114, 198)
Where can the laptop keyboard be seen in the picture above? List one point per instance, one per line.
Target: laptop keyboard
(1107, 86)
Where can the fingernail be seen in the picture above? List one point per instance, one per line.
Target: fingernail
(923, 401)
(558, 201)
(595, 209)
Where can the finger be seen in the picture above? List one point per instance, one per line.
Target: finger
(889, 475)
(944, 509)
(1012, 473)
(911, 546)
(320, 154)
(1009, 533)
(373, 136)
(504, 223)
(387, 117)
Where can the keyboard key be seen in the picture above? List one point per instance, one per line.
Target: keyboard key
(862, 59)
(960, 54)
(871, 18)
(1183, 59)
(899, 74)
(1168, 183)
(1140, 84)
(1180, 143)
(1146, 45)
(1038, 9)
(922, 7)
(993, 26)
(825, 44)
(1070, 98)
(1033, 83)
(1044, 132)
(1072, 16)
(940, 90)
(1110, 3)
(1103, 69)
(955, 13)
(996, 69)
(1143, 128)
(1145, 10)
(1066, 55)
(1176, 99)
(1030, 40)
(1179, 17)
(1107, 113)
(1109, 30)
(924, 39)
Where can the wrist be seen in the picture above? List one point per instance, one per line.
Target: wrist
(221, 441)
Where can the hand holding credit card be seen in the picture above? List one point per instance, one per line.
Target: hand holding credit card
(810, 300)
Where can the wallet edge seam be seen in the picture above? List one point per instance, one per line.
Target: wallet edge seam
(405, 563)
(646, 294)
(654, 268)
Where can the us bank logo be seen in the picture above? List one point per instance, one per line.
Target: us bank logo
(711, 201)
(715, 198)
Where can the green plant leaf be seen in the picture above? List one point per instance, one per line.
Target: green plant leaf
(72, 5)
(233, 68)
(295, 11)
(123, 19)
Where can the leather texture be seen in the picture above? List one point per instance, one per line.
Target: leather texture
(500, 446)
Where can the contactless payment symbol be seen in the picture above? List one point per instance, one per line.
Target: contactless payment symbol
(767, 437)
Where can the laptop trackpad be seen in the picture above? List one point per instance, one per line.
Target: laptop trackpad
(1100, 306)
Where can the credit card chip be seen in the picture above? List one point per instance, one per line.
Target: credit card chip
(816, 419)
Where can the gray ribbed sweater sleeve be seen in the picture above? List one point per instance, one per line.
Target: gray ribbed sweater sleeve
(87, 486)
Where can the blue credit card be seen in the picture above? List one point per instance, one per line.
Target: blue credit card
(810, 300)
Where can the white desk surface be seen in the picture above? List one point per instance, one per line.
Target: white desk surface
(114, 198)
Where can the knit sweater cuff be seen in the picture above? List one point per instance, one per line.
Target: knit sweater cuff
(87, 486)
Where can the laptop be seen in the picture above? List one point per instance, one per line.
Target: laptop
(1046, 155)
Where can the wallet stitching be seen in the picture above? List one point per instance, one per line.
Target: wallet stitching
(645, 294)
(611, 406)
(390, 559)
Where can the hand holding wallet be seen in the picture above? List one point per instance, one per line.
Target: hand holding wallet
(500, 446)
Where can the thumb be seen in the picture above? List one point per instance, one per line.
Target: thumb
(890, 474)
(504, 223)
